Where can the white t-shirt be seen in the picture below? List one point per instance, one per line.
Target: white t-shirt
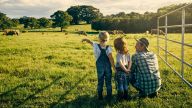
(124, 58)
(97, 51)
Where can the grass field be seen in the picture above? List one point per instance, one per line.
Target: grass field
(57, 70)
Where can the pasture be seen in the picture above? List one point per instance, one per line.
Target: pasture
(57, 70)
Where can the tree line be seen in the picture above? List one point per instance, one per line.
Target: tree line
(128, 22)
(137, 23)
(73, 15)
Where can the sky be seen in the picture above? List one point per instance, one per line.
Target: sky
(45, 8)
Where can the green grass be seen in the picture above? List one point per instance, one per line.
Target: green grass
(57, 70)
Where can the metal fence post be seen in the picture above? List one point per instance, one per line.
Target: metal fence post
(158, 36)
(166, 38)
(182, 41)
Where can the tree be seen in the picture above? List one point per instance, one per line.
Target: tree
(74, 11)
(84, 13)
(29, 22)
(15, 22)
(44, 22)
(61, 19)
(89, 13)
(5, 22)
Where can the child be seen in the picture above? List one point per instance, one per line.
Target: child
(104, 61)
(123, 65)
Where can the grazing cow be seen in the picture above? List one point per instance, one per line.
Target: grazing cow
(154, 31)
(120, 32)
(76, 30)
(11, 32)
(114, 32)
(66, 33)
(82, 33)
(111, 32)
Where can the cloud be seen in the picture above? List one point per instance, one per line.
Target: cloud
(44, 8)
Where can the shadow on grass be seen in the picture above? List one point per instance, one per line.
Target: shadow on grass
(63, 97)
(37, 92)
(93, 33)
(12, 90)
(87, 101)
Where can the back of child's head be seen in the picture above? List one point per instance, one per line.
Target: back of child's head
(120, 45)
(103, 35)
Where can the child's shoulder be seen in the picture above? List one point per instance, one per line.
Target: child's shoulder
(109, 46)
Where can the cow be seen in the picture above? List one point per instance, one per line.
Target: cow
(11, 32)
(66, 33)
(114, 32)
(111, 32)
(82, 33)
(155, 31)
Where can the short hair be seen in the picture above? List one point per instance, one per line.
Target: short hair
(120, 45)
(104, 35)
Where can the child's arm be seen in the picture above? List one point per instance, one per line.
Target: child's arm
(112, 61)
(88, 41)
(129, 65)
(123, 67)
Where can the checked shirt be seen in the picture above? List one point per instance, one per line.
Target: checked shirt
(145, 75)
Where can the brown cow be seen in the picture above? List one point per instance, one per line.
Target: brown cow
(66, 33)
(111, 32)
(114, 32)
(154, 31)
(11, 32)
(82, 33)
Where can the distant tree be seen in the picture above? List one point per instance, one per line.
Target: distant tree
(5, 22)
(29, 22)
(32, 22)
(121, 14)
(23, 19)
(61, 19)
(74, 11)
(84, 13)
(89, 13)
(15, 22)
(44, 22)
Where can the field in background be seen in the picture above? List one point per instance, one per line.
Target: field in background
(57, 70)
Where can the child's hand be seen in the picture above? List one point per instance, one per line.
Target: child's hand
(88, 41)
(128, 70)
(83, 40)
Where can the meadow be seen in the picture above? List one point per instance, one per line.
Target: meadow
(58, 70)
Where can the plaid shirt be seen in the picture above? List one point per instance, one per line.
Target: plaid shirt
(144, 71)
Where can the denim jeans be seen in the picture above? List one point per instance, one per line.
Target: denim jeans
(122, 81)
(104, 74)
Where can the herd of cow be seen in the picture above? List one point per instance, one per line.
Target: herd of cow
(113, 32)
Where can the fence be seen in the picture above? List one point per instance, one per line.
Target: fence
(182, 43)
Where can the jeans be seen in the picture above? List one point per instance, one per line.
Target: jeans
(122, 81)
(104, 73)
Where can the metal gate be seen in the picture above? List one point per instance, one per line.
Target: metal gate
(182, 43)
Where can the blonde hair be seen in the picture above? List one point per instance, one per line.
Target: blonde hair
(120, 45)
(104, 35)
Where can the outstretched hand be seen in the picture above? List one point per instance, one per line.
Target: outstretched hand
(88, 41)
(83, 40)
